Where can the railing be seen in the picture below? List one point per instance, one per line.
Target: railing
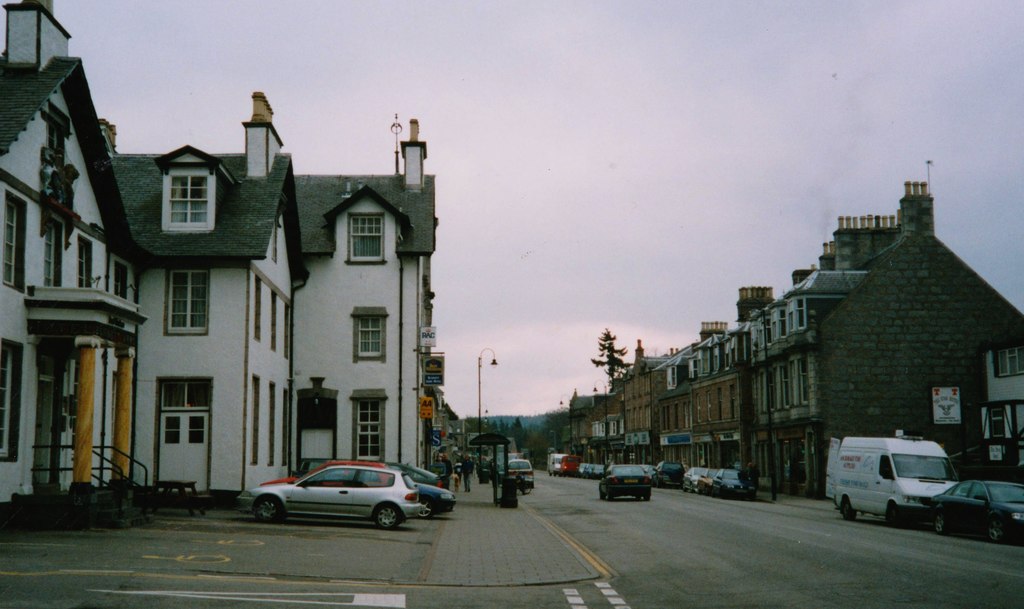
(106, 464)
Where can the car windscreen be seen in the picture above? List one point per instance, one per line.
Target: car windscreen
(671, 467)
(921, 466)
(730, 474)
(519, 465)
(627, 470)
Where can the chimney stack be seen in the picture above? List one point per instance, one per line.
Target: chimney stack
(414, 152)
(752, 299)
(109, 130)
(711, 328)
(262, 143)
(917, 215)
(33, 35)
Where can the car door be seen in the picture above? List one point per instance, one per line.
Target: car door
(975, 508)
(372, 487)
(325, 493)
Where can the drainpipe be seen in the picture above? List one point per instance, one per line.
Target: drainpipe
(291, 377)
(401, 346)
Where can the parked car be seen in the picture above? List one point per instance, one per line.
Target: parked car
(622, 480)
(995, 509)
(418, 474)
(668, 474)
(691, 477)
(434, 500)
(733, 483)
(315, 465)
(597, 471)
(570, 466)
(705, 481)
(522, 471)
(385, 496)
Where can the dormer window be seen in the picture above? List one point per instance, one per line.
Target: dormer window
(366, 238)
(191, 182)
(189, 200)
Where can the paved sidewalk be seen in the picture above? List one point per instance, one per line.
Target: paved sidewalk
(482, 544)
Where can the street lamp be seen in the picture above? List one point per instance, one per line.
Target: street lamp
(607, 447)
(479, 400)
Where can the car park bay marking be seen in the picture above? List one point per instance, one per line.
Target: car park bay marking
(323, 599)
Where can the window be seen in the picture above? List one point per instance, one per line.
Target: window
(369, 424)
(10, 391)
(1010, 362)
(271, 421)
(787, 390)
(255, 420)
(257, 315)
(172, 430)
(998, 424)
(121, 280)
(185, 394)
(670, 379)
(797, 314)
(52, 255)
(273, 239)
(778, 323)
(286, 319)
(85, 263)
(802, 383)
(187, 304)
(189, 199)
(58, 129)
(366, 238)
(14, 242)
(369, 333)
(273, 320)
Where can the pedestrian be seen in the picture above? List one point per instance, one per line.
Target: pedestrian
(457, 474)
(753, 474)
(446, 475)
(467, 472)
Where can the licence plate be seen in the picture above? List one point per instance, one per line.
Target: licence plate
(630, 480)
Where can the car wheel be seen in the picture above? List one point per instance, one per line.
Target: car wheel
(268, 509)
(427, 508)
(647, 496)
(892, 515)
(387, 516)
(939, 522)
(601, 494)
(847, 510)
(996, 532)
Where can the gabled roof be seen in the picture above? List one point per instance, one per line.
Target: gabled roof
(245, 214)
(826, 283)
(368, 193)
(24, 92)
(321, 196)
(209, 161)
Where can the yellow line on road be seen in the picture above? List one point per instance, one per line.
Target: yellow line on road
(595, 561)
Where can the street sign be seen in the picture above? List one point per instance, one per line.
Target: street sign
(435, 438)
(426, 407)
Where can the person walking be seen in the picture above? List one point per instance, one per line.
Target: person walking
(446, 477)
(467, 471)
(457, 475)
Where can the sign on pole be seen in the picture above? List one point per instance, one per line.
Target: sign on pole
(428, 336)
(435, 438)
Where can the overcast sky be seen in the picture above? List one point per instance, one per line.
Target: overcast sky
(621, 165)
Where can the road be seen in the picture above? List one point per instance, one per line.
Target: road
(678, 550)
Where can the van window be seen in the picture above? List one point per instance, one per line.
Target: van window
(920, 466)
(885, 468)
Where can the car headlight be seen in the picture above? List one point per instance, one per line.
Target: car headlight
(447, 496)
(1017, 515)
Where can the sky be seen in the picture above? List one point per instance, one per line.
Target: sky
(620, 165)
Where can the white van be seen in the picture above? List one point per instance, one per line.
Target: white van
(891, 477)
(555, 464)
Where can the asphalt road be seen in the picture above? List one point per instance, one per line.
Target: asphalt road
(678, 550)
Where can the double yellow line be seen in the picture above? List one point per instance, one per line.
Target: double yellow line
(603, 569)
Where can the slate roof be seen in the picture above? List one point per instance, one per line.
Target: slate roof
(245, 215)
(23, 92)
(828, 282)
(319, 195)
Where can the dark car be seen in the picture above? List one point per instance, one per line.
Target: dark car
(622, 480)
(978, 506)
(433, 497)
(418, 474)
(733, 483)
(668, 474)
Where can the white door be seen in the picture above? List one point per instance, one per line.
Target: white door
(317, 444)
(184, 443)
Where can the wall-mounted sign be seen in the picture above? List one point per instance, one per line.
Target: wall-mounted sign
(428, 336)
(426, 407)
(946, 405)
(433, 370)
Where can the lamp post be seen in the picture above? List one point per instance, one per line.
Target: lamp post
(479, 400)
(607, 447)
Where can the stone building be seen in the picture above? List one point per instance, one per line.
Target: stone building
(857, 346)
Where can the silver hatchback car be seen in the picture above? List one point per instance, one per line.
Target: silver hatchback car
(385, 496)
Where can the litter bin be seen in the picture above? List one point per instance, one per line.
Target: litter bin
(508, 493)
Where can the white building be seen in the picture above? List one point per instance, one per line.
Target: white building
(69, 325)
(191, 316)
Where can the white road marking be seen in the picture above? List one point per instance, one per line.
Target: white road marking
(573, 596)
(611, 595)
(389, 601)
